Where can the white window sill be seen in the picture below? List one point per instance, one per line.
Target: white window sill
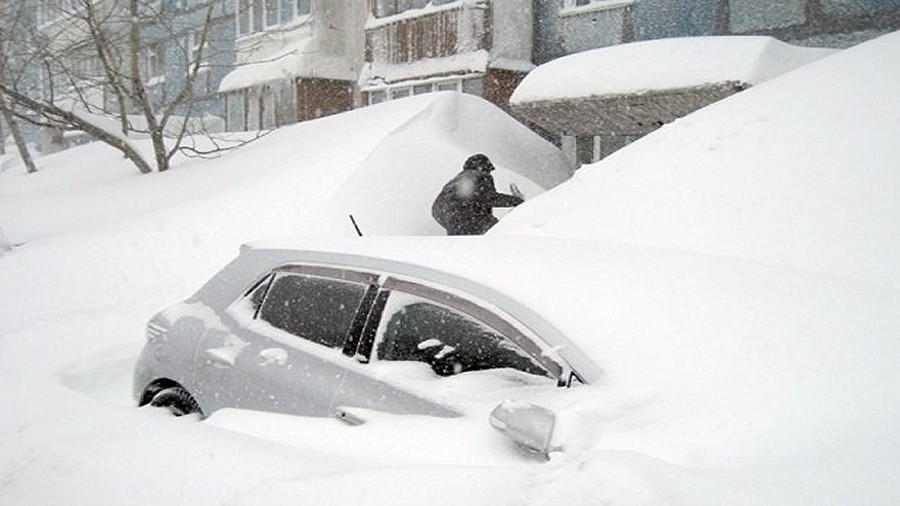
(595, 7)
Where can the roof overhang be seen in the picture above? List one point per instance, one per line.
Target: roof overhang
(623, 114)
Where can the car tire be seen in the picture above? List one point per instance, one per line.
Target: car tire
(177, 400)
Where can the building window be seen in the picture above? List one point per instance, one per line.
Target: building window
(448, 86)
(244, 14)
(198, 53)
(154, 60)
(384, 8)
(272, 13)
(234, 111)
(257, 15)
(595, 4)
(473, 86)
(256, 8)
(50, 11)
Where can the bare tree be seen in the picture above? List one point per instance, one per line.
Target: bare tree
(99, 61)
(11, 20)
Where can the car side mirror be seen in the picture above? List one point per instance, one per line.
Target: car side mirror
(528, 425)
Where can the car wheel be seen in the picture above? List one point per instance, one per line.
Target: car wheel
(177, 400)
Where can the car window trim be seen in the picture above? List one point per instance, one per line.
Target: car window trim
(338, 273)
(370, 331)
(265, 280)
(359, 324)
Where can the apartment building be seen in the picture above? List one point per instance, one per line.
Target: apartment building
(482, 47)
(567, 27)
(268, 63)
(295, 60)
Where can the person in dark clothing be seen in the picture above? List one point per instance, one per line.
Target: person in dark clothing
(465, 204)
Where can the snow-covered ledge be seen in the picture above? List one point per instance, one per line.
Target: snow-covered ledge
(574, 10)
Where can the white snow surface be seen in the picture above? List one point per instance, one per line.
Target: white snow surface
(800, 171)
(795, 173)
(663, 64)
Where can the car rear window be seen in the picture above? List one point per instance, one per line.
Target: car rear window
(317, 309)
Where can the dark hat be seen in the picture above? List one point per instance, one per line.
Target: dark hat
(478, 162)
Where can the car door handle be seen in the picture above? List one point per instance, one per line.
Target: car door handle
(222, 357)
(226, 356)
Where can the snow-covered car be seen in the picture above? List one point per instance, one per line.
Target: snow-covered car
(326, 332)
(693, 345)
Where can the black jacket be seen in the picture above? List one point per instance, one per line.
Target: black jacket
(465, 204)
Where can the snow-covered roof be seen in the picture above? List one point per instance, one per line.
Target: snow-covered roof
(664, 64)
(633, 89)
(304, 59)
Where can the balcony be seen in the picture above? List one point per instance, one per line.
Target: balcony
(433, 32)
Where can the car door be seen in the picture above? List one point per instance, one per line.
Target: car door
(439, 334)
(285, 349)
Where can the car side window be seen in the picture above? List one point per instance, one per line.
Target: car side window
(451, 342)
(314, 308)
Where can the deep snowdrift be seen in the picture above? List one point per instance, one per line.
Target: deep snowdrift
(102, 248)
(799, 171)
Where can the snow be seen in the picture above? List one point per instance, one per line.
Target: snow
(750, 361)
(813, 189)
(657, 65)
(99, 248)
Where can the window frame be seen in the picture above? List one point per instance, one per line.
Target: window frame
(257, 16)
(586, 6)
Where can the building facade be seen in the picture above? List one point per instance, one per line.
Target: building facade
(565, 27)
(482, 47)
(261, 64)
(295, 60)
(178, 49)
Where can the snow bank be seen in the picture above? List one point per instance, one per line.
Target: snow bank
(799, 171)
(99, 248)
(392, 190)
(663, 64)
